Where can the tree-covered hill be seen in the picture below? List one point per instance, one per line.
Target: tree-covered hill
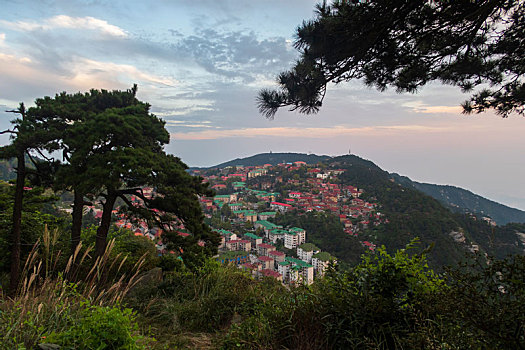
(412, 213)
(274, 158)
(461, 200)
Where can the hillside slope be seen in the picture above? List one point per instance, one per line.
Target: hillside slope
(412, 213)
(461, 200)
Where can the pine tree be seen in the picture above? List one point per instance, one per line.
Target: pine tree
(404, 44)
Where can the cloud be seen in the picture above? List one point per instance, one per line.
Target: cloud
(85, 69)
(236, 54)
(313, 133)
(23, 78)
(67, 22)
(187, 124)
(420, 107)
(2, 39)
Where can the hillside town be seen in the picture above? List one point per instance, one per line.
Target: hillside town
(249, 198)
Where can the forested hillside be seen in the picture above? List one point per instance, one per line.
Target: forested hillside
(463, 201)
(412, 213)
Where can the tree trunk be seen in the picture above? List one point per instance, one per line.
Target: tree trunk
(76, 228)
(102, 231)
(17, 224)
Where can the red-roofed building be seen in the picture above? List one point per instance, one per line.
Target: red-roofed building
(264, 249)
(266, 261)
(271, 273)
(239, 244)
(277, 255)
(282, 207)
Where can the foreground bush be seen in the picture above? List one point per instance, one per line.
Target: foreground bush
(371, 306)
(67, 306)
(99, 327)
(386, 302)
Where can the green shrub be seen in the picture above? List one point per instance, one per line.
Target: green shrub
(377, 305)
(99, 327)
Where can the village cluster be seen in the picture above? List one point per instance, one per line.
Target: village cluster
(256, 194)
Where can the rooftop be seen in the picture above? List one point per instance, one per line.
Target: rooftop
(266, 224)
(308, 247)
(252, 236)
(265, 258)
(324, 256)
(265, 245)
(298, 262)
(276, 253)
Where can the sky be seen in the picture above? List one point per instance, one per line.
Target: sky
(201, 63)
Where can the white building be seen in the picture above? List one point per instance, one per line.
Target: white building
(294, 237)
(320, 262)
(306, 251)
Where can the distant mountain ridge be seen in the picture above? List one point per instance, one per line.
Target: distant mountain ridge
(455, 198)
(274, 159)
(461, 200)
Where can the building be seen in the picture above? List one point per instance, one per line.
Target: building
(277, 234)
(257, 172)
(306, 251)
(222, 198)
(270, 273)
(281, 207)
(283, 268)
(266, 226)
(300, 271)
(320, 262)
(256, 240)
(294, 237)
(239, 245)
(301, 234)
(266, 262)
(277, 255)
(266, 215)
(264, 249)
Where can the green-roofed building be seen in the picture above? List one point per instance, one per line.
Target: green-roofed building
(256, 240)
(275, 234)
(246, 215)
(283, 268)
(295, 237)
(265, 225)
(300, 271)
(324, 256)
(308, 247)
(222, 197)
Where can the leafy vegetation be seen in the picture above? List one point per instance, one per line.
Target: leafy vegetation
(326, 232)
(404, 45)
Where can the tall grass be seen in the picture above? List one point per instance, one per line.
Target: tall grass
(49, 299)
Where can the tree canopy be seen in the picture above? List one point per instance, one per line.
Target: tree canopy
(478, 46)
(112, 147)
